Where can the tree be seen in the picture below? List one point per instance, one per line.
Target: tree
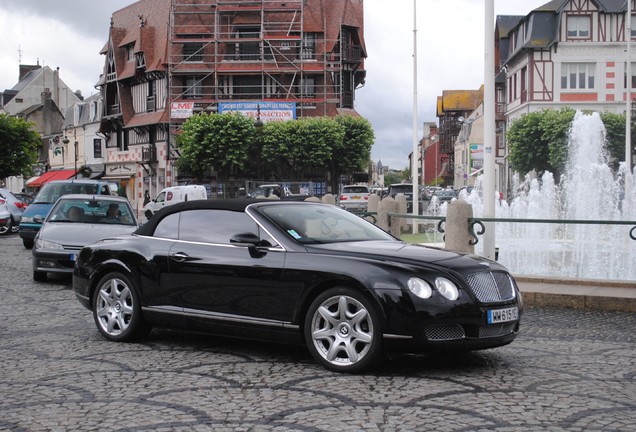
(295, 146)
(539, 140)
(219, 141)
(19, 144)
(354, 151)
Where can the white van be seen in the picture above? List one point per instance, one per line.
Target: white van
(174, 195)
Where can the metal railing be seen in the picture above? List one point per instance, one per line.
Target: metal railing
(472, 222)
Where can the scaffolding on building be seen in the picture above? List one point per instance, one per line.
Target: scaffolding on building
(258, 50)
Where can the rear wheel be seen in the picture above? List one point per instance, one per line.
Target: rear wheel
(148, 214)
(117, 309)
(5, 229)
(343, 331)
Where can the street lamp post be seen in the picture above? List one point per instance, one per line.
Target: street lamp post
(66, 141)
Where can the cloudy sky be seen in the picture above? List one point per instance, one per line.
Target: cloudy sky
(450, 37)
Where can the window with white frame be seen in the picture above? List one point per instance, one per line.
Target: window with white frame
(193, 87)
(633, 20)
(577, 76)
(579, 27)
(633, 75)
(130, 52)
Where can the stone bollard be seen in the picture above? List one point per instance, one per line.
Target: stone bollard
(386, 206)
(457, 231)
(402, 207)
(374, 202)
(329, 199)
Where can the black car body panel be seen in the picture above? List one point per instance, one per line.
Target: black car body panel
(263, 290)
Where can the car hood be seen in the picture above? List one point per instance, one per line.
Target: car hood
(36, 209)
(408, 254)
(81, 234)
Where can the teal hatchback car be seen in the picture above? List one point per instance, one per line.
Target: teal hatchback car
(37, 211)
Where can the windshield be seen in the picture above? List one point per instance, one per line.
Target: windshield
(355, 189)
(402, 189)
(313, 223)
(50, 192)
(94, 211)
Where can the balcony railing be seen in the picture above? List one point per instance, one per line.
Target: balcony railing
(149, 154)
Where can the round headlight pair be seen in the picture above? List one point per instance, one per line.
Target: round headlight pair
(423, 289)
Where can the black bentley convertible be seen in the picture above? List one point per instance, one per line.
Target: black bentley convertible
(295, 272)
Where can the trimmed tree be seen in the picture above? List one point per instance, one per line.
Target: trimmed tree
(19, 143)
(354, 151)
(219, 141)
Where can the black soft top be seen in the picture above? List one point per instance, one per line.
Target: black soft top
(235, 204)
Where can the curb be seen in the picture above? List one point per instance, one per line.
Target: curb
(584, 294)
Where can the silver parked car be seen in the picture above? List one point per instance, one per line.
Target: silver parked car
(74, 222)
(15, 206)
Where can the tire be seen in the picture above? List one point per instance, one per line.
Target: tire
(28, 244)
(148, 214)
(5, 230)
(117, 309)
(343, 331)
(39, 276)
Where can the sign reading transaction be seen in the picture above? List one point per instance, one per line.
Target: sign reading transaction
(269, 111)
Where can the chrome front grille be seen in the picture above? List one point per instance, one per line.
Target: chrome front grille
(491, 287)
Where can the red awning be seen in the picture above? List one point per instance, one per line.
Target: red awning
(51, 175)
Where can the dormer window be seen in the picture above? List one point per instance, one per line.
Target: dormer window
(579, 27)
(130, 52)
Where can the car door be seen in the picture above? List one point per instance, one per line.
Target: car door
(219, 280)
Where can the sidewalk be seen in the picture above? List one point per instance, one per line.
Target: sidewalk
(587, 294)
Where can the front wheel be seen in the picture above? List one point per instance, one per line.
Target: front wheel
(117, 309)
(343, 331)
(148, 214)
(28, 244)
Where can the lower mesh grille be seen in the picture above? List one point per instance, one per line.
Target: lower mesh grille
(444, 332)
(496, 330)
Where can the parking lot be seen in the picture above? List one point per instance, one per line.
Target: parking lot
(569, 370)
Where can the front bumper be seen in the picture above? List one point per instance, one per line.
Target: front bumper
(54, 262)
(28, 231)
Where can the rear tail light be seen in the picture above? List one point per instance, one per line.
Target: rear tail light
(343, 197)
(2, 202)
(20, 204)
(366, 198)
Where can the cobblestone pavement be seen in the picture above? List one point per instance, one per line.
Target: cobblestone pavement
(569, 370)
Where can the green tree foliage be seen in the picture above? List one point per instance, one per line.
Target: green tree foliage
(539, 140)
(219, 141)
(294, 146)
(615, 135)
(19, 144)
(353, 153)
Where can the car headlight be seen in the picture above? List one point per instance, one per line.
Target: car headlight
(419, 287)
(447, 288)
(44, 244)
(27, 219)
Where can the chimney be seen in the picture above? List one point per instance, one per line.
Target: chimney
(47, 111)
(25, 69)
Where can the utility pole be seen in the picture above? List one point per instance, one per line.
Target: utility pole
(414, 158)
(489, 127)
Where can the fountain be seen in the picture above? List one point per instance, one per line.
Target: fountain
(588, 191)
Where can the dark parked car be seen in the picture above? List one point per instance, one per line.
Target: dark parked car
(444, 195)
(15, 206)
(73, 222)
(37, 210)
(295, 272)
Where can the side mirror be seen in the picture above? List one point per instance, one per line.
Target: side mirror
(38, 219)
(246, 239)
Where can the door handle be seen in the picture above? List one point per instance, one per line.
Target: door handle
(180, 256)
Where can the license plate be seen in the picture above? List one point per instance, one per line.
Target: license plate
(72, 257)
(503, 315)
(355, 197)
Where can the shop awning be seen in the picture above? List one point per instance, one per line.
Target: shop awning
(49, 176)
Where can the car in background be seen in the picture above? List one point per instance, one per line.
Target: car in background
(37, 211)
(6, 222)
(354, 198)
(73, 222)
(444, 195)
(24, 197)
(173, 195)
(407, 190)
(15, 206)
(296, 272)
